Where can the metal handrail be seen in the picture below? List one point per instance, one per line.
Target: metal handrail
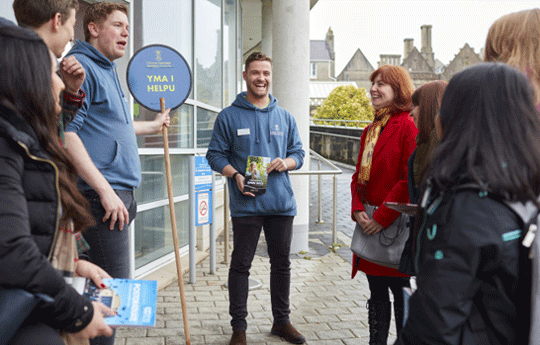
(359, 123)
(335, 171)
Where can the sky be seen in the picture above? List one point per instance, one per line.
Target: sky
(379, 27)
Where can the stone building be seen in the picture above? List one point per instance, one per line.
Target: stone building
(322, 71)
(420, 63)
(358, 70)
(419, 68)
(322, 58)
(465, 58)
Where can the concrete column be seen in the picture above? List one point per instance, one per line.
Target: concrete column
(266, 27)
(266, 31)
(290, 55)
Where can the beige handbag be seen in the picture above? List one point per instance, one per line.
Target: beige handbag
(64, 259)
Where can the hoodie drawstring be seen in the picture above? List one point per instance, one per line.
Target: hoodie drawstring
(257, 126)
(269, 129)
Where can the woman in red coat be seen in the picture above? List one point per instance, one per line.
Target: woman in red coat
(381, 175)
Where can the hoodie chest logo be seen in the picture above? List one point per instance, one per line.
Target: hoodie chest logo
(276, 131)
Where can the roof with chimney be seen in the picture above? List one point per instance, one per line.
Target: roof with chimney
(319, 50)
(416, 62)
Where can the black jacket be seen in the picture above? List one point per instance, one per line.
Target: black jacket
(30, 210)
(406, 263)
(468, 274)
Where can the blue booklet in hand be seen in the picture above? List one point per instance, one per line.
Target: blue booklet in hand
(134, 300)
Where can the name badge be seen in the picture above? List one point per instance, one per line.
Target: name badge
(243, 131)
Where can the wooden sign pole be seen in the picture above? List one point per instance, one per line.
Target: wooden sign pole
(173, 225)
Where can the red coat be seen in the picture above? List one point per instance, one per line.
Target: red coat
(387, 180)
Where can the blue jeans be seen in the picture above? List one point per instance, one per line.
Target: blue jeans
(109, 249)
(278, 235)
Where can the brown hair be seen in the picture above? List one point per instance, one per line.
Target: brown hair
(428, 98)
(514, 39)
(256, 56)
(32, 13)
(400, 81)
(97, 13)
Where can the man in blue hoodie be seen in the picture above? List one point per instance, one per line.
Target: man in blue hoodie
(101, 139)
(254, 125)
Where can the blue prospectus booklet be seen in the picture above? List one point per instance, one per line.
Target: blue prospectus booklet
(134, 300)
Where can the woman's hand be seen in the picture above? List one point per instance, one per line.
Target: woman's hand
(97, 326)
(372, 227)
(361, 218)
(89, 270)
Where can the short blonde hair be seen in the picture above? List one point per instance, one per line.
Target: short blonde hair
(514, 39)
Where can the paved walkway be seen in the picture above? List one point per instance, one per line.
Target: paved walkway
(327, 306)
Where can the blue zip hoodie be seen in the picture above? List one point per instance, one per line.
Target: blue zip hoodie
(243, 130)
(104, 122)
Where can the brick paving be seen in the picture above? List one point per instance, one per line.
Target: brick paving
(327, 306)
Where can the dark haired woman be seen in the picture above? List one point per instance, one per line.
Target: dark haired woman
(381, 175)
(426, 101)
(38, 194)
(470, 288)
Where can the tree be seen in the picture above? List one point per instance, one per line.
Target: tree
(345, 102)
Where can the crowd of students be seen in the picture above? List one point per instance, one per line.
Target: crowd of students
(472, 163)
(466, 151)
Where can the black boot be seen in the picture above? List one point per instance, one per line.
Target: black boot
(379, 322)
(398, 315)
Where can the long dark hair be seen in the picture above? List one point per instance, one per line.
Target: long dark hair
(26, 90)
(490, 133)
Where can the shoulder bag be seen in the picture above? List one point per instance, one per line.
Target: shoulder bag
(385, 247)
(15, 306)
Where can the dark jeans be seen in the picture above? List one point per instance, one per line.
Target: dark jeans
(109, 249)
(278, 235)
(378, 286)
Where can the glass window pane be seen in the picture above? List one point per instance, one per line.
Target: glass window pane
(153, 232)
(180, 130)
(205, 126)
(169, 22)
(153, 185)
(229, 52)
(208, 51)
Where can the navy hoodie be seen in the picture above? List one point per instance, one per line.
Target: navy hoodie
(104, 122)
(243, 130)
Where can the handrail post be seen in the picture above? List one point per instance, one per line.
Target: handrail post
(334, 211)
(319, 206)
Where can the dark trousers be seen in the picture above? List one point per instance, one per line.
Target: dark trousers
(378, 286)
(109, 249)
(36, 334)
(278, 235)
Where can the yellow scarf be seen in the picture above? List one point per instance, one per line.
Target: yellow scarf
(381, 118)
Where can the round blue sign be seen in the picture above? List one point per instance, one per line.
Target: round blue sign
(157, 71)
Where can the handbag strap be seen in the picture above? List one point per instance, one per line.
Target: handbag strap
(402, 222)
